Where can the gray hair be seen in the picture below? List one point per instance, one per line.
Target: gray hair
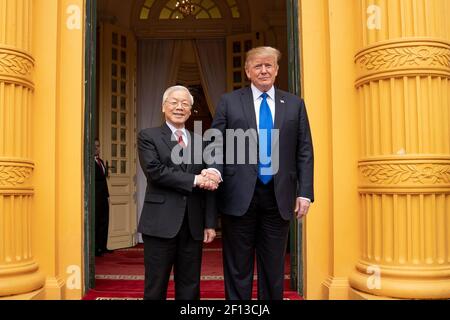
(263, 52)
(170, 90)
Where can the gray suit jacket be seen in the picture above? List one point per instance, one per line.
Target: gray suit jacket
(170, 188)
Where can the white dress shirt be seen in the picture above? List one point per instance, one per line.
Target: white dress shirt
(183, 130)
(257, 99)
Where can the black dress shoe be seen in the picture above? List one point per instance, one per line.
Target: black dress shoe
(98, 253)
(108, 251)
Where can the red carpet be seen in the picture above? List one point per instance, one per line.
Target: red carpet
(120, 275)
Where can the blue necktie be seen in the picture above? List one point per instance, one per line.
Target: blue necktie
(265, 139)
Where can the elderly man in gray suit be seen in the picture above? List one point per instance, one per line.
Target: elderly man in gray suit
(178, 214)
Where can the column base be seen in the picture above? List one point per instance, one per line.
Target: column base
(359, 295)
(54, 288)
(336, 288)
(21, 279)
(413, 285)
(35, 295)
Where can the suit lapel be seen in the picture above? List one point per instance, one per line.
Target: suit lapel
(103, 167)
(280, 109)
(166, 136)
(248, 107)
(190, 150)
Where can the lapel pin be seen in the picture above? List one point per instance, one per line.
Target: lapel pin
(282, 101)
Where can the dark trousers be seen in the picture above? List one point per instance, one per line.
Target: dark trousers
(260, 230)
(184, 254)
(101, 223)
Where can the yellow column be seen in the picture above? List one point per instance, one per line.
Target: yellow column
(331, 229)
(403, 71)
(18, 271)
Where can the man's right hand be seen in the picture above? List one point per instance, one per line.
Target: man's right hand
(209, 235)
(208, 180)
(212, 174)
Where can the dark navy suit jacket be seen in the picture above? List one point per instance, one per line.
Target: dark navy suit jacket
(294, 178)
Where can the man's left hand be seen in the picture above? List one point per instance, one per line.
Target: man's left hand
(209, 235)
(301, 207)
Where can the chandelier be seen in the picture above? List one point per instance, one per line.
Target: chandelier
(185, 7)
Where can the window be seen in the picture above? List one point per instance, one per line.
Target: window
(204, 9)
(145, 11)
(234, 8)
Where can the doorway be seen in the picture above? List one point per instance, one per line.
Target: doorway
(125, 104)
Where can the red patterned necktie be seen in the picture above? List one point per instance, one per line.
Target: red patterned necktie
(179, 134)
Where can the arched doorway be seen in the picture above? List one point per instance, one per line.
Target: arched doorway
(145, 46)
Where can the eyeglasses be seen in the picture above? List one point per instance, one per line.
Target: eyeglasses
(175, 103)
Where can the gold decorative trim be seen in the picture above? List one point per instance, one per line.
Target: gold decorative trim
(23, 191)
(403, 58)
(13, 175)
(405, 173)
(16, 66)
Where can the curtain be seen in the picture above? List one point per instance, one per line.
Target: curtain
(157, 67)
(211, 57)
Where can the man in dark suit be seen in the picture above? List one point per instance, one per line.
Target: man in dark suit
(257, 200)
(177, 214)
(101, 204)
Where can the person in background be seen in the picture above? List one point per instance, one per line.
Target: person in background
(101, 204)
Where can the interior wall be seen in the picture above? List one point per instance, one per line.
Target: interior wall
(266, 16)
(270, 17)
(117, 12)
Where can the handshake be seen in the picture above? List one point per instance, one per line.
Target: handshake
(209, 179)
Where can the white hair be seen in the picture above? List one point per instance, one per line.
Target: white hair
(170, 90)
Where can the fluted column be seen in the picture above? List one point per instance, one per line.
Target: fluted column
(18, 270)
(404, 97)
